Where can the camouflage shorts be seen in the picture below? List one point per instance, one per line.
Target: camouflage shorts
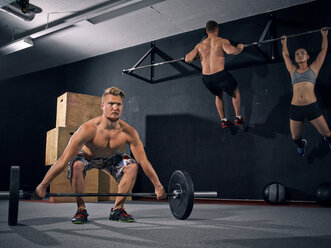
(114, 164)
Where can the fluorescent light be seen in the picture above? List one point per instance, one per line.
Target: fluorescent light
(16, 45)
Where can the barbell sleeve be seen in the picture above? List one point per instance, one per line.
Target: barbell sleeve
(4, 195)
(205, 194)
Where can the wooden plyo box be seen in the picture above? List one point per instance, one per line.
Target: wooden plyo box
(56, 141)
(96, 181)
(74, 109)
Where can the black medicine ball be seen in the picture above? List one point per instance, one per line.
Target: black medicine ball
(323, 194)
(274, 193)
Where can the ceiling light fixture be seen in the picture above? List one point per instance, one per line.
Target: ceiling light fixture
(21, 10)
(95, 11)
(16, 45)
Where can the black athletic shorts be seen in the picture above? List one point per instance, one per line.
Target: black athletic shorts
(310, 111)
(220, 81)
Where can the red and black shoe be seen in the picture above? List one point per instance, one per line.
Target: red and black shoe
(119, 214)
(226, 124)
(239, 121)
(80, 216)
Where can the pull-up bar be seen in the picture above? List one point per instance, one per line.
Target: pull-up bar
(246, 45)
(151, 65)
(287, 36)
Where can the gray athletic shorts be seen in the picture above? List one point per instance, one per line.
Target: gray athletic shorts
(114, 164)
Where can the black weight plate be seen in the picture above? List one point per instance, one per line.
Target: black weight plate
(181, 207)
(13, 195)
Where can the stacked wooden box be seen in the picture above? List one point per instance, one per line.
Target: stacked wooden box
(74, 109)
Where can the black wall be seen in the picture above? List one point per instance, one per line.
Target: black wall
(177, 118)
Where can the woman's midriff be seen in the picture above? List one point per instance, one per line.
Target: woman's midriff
(303, 94)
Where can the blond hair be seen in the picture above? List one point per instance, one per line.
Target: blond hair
(113, 91)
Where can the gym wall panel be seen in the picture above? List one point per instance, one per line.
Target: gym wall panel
(177, 119)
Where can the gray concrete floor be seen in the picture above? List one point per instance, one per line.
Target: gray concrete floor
(43, 224)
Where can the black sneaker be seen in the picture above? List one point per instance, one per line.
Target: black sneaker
(301, 150)
(80, 216)
(119, 214)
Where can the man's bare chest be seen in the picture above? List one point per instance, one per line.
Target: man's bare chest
(107, 141)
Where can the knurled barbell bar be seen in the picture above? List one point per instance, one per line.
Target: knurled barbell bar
(180, 194)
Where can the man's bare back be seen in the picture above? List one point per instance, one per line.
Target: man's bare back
(211, 55)
(211, 52)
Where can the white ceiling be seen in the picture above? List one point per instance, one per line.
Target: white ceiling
(62, 34)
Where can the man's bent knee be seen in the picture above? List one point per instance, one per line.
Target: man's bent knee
(131, 169)
(77, 168)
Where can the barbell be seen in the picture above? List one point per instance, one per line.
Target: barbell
(180, 194)
(245, 45)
